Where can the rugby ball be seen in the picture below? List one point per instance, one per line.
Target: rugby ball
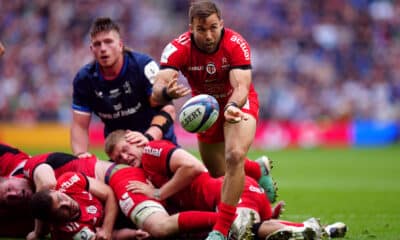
(199, 113)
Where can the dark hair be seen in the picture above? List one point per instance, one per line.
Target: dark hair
(103, 24)
(202, 10)
(42, 205)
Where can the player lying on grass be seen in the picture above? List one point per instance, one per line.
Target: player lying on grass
(168, 166)
(79, 207)
(14, 221)
(43, 170)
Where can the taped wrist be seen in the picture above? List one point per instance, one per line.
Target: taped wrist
(165, 95)
(163, 121)
(148, 136)
(230, 104)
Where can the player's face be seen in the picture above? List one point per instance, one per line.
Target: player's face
(107, 48)
(15, 191)
(65, 209)
(207, 32)
(126, 153)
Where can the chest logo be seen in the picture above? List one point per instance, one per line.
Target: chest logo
(210, 68)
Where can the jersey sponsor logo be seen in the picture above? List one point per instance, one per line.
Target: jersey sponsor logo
(127, 87)
(153, 151)
(225, 63)
(120, 113)
(256, 189)
(196, 68)
(92, 209)
(68, 183)
(150, 71)
(114, 93)
(242, 45)
(168, 50)
(126, 203)
(210, 68)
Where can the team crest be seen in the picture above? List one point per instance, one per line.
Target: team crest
(210, 68)
(99, 94)
(91, 209)
(127, 88)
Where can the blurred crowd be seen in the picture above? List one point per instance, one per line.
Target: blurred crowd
(312, 59)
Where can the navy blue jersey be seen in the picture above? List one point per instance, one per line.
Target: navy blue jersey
(122, 103)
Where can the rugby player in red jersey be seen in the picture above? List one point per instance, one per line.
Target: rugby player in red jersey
(217, 61)
(171, 168)
(14, 221)
(78, 208)
(45, 168)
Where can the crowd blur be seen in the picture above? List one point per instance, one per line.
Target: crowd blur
(312, 59)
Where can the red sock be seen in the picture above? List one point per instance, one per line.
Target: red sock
(196, 220)
(252, 169)
(226, 216)
(294, 224)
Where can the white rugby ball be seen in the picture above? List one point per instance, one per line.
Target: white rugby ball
(199, 113)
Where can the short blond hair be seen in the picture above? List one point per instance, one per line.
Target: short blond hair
(112, 139)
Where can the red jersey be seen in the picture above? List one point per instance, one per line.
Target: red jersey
(204, 193)
(208, 72)
(61, 163)
(12, 161)
(76, 186)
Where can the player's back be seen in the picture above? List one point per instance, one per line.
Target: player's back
(12, 161)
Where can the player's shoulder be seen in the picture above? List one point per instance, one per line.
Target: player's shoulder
(183, 40)
(139, 58)
(233, 38)
(86, 71)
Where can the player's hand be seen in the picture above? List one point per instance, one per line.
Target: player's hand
(175, 90)
(84, 155)
(141, 234)
(102, 234)
(140, 187)
(234, 114)
(137, 138)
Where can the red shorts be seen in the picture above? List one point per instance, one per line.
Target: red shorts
(215, 133)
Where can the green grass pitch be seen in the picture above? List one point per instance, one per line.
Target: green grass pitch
(359, 186)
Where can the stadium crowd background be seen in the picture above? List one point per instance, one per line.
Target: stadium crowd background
(314, 59)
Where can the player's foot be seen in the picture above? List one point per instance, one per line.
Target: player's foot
(315, 225)
(215, 235)
(293, 234)
(278, 209)
(242, 227)
(336, 230)
(266, 181)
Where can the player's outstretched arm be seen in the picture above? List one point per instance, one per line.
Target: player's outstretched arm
(80, 133)
(166, 87)
(105, 194)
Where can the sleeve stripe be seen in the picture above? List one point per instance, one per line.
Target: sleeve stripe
(80, 109)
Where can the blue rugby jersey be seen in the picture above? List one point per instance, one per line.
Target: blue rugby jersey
(122, 103)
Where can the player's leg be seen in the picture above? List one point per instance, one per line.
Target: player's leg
(213, 156)
(284, 230)
(238, 138)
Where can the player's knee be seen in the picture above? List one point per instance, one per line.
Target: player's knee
(235, 157)
(162, 229)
